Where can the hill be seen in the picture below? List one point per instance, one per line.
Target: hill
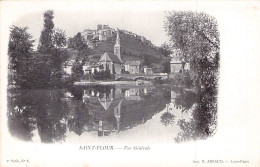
(132, 48)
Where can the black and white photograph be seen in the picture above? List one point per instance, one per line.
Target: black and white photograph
(114, 81)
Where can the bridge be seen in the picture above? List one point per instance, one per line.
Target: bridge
(141, 76)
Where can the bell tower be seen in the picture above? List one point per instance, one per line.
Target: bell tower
(117, 47)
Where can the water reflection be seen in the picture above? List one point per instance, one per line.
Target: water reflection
(54, 114)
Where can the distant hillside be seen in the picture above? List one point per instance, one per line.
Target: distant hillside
(132, 48)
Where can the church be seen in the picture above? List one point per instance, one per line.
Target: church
(113, 61)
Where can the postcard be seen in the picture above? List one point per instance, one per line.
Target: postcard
(130, 83)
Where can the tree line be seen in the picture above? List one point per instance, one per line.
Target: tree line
(43, 67)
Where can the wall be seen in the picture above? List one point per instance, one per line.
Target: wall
(175, 68)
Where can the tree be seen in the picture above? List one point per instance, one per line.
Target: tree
(20, 50)
(78, 43)
(165, 49)
(52, 43)
(167, 118)
(46, 40)
(166, 67)
(195, 36)
(77, 70)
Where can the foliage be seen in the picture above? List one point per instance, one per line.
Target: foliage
(167, 118)
(165, 49)
(166, 67)
(195, 37)
(20, 49)
(59, 38)
(77, 70)
(31, 110)
(52, 43)
(39, 72)
(203, 121)
(46, 40)
(147, 60)
(78, 43)
(102, 75)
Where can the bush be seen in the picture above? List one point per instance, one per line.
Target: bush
(102, 75)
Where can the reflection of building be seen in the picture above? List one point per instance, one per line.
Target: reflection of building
(107, 109)
(147, 90)
(106, 99)
(175, 108)
(106, 127)
(132, 94)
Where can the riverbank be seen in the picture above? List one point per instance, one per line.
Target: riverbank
(131, 83)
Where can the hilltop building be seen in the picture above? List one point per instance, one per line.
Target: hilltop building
(102, 33)
(105, 33)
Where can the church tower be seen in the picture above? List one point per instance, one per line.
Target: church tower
(117, 47)
(117, 115)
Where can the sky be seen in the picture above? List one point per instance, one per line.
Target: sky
(147, 24)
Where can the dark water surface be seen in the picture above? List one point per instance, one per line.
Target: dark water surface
(85, 114)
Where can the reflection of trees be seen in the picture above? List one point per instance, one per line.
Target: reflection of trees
(20, 123)
(39, 109)
(79, 120)
(203, 120)
(186, 99)
(167, 119)
(76, 92)
(134, 113)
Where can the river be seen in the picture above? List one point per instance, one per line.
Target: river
(86, 114)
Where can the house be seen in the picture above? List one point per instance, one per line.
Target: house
(67, 67)
(148, 70)
(176, 65)
(91, 67)
(133, 67)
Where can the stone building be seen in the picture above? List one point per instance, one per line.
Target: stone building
(67, 67)
(113, 61)
(148, 70)
(176, 65)
(133, 67)
(133, 94)
(102, 33)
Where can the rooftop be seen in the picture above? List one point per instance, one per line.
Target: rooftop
(133, 63)
(110, 57)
